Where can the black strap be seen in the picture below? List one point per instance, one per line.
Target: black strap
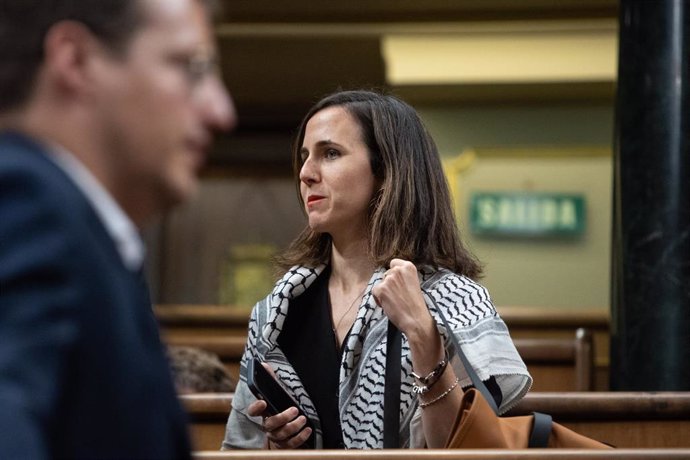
(476, 381)
(541, 430)
(391, 396)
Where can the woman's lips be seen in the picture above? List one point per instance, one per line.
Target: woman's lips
(313, 199)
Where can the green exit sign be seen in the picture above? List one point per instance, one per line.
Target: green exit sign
(527, 214)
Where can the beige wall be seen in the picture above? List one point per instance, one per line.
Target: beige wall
(545, 149)
(198, 238)
(557, 271)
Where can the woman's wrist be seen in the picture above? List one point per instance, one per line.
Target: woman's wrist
(423, 404)
(424, 383)
(421, 329)
(426, 347)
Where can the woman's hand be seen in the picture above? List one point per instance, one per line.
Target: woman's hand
(284, 430)
(400, 296)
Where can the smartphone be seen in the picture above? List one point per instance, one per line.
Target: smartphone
(264, 386)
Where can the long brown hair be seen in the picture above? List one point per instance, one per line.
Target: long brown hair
(411, 215)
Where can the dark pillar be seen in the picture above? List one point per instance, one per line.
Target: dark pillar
(650, 327)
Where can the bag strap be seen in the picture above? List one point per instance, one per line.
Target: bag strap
(391, 395)
(541, 429)
(476, 381)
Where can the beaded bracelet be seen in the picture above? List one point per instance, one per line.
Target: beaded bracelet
(423, 405)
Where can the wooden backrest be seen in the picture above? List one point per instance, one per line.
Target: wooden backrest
(437, 454)
(555, 364)
(623, 419)
(222, 329)
(545, 322)
(205, 320)
(560, 364)
(563, 406)
(228, 320)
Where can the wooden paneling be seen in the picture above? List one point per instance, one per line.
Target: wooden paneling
(545, 337)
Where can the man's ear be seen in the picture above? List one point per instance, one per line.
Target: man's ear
(70, 50)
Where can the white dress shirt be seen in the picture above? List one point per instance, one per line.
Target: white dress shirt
(120, 227)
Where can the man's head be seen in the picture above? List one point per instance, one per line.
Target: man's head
(128, 86)
(25, 23)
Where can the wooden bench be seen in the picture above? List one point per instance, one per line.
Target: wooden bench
(211, 326)
(438, 454)
(523, 322)
(559, 364)
(208, 413)
(623, 419)
(202, 320)
(557, 323)
(556, 364)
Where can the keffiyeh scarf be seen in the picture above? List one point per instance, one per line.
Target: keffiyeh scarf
(472, 318)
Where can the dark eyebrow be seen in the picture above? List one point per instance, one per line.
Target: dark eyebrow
(320, 144)
(327, 142)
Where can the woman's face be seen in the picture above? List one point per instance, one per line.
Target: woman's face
(336, 180)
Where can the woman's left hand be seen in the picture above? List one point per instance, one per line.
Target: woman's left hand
(400, 296)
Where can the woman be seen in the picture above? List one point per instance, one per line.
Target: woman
(381, 245)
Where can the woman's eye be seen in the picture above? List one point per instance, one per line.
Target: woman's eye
(332, 153)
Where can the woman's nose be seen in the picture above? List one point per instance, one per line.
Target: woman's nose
(307, 173)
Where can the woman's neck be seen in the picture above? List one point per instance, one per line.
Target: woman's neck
(351, 264)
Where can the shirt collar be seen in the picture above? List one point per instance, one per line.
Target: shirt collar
(118, 225)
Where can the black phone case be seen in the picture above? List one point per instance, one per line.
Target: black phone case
(264, 386)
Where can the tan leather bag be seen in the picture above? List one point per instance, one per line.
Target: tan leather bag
(478, 427)
(477, 424)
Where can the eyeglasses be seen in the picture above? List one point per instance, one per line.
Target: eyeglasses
(197, 66)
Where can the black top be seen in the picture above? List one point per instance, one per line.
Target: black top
(309, 344)
(308, 341)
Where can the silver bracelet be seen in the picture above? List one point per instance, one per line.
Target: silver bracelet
(423, 405)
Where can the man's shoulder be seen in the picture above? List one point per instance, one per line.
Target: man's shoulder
(43, 213)
(30, 178)
(25, 163)
(16, 146)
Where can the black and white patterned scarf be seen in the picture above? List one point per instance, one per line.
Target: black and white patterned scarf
(468, 308)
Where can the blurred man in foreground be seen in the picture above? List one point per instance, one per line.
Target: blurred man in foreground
(107, 109)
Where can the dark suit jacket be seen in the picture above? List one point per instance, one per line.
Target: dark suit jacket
(82, 370)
